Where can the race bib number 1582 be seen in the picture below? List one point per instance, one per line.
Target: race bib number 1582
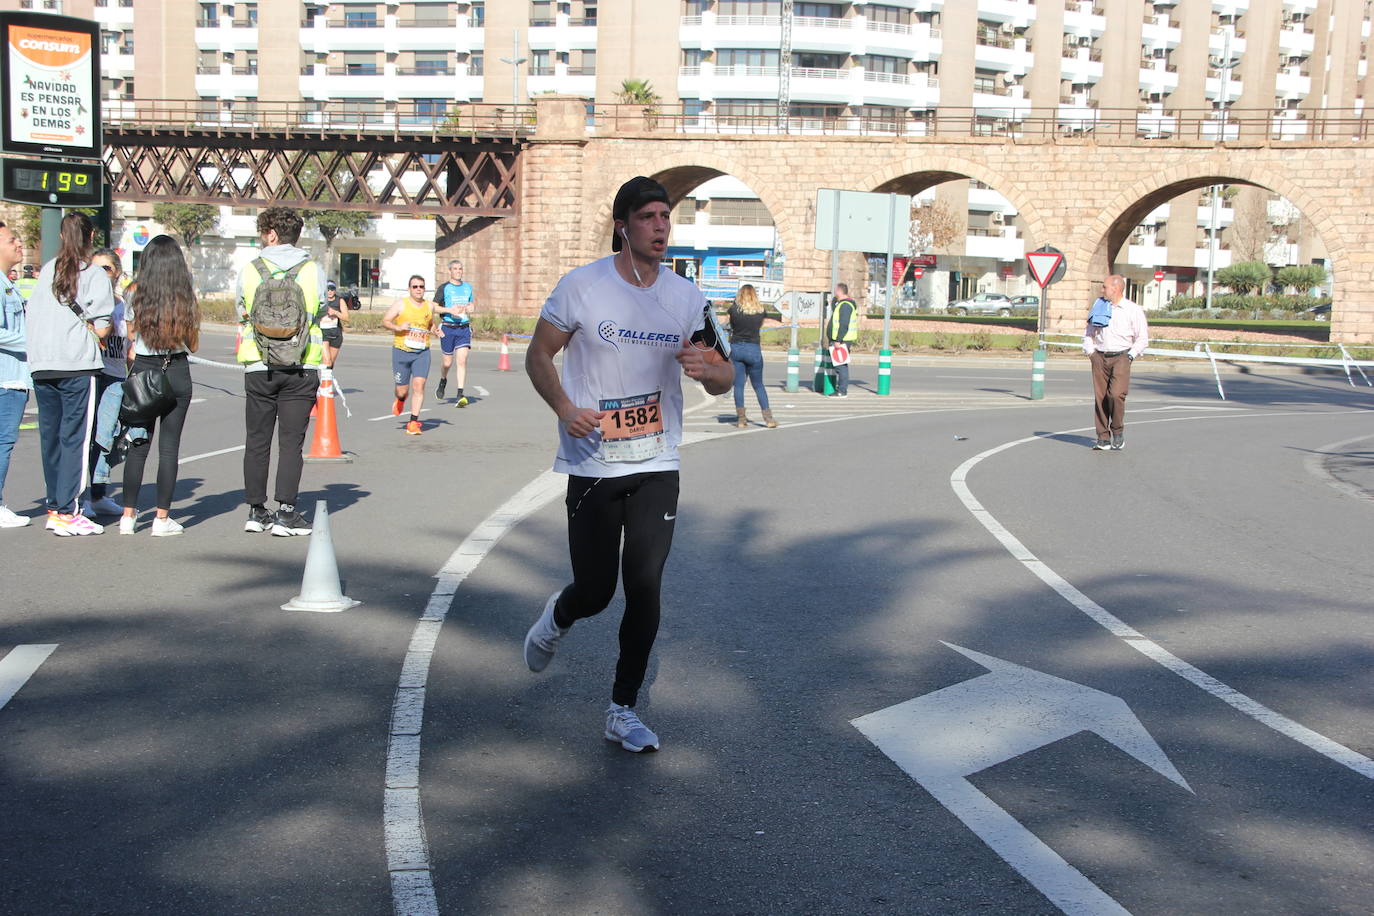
(632, 428)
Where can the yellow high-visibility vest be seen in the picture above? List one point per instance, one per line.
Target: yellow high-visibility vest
(307, 278)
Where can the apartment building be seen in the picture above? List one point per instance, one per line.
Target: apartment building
(1011, 66)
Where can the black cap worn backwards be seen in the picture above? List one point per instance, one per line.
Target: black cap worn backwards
(632, 195)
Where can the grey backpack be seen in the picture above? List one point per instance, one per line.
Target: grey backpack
(281, 322)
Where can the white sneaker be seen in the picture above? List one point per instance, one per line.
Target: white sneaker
(166, 527)
(541, 642)
(102, 506)
(11, 519)
(127, 524)
(624, 726)
(66, 526)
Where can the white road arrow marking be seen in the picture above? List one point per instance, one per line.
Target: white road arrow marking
(18, 666)
(482, 392)
(943, 737)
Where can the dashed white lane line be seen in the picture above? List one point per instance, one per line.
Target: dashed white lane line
(18, 666)
(1133, 638)
(223, 451)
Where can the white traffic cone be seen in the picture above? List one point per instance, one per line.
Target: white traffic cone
(320, 588)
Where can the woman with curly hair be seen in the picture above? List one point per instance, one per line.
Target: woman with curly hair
(68, 316)
(164, 324)
(746, 318)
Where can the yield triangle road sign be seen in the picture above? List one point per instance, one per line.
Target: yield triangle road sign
(1044, 266)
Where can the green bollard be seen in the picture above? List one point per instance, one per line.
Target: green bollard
(1038, 375)
(818, 382)
(884, 371)
(793, 369)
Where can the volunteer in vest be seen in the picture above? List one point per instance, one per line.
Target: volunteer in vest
(280, 389)
(1116, 334)
(454, 302)
(14, 368)
(844, 328)
(27, 283)
(625, 325)
(413, 322)
(331, 323)
(68, 316)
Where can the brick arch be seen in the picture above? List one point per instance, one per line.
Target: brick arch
(682, 172)
(1113, 224)
(939, 169)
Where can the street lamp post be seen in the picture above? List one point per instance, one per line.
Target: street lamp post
(515, 60)
(1225, 67)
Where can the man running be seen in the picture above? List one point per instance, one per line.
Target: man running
(411, 319)
(454, 302)
(627, 327)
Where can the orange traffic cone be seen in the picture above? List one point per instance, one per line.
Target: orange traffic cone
(325, 445)
(503, 361)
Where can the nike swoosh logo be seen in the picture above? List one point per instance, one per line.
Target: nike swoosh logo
(668, 518)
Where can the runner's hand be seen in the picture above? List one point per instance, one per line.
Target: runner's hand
(581, 421)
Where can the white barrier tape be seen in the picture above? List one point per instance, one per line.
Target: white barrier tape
(1314, 361)
(201, 361)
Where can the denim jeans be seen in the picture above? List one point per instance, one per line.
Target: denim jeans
(12, 402)
(748, 360)
(106, 426)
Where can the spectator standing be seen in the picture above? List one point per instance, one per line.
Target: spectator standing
(747, 316)
(278, 397)
(1111, 348)
(844, 328)
(114, 353)
(68, 316)
(164, 320)
(14, 367)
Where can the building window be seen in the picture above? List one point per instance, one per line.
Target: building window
(541, 12)
(475, 63)
(360, 63)
(730, 211)
(693, 57)
(695, 7)
(818, 10)
(582, 63)
(430, 110)
(811, 60)
(360, 19)
(745, 108)
(880, 63)
(477, 15)
(431, 64)
(892, 15)
(209, 15)
(541, 63)
(747, 57)
(749, 8)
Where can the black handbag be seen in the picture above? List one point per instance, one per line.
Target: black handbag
(148, 396)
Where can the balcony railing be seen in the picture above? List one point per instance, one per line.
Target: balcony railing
(314, 118)
(425, 23)
(424, 71)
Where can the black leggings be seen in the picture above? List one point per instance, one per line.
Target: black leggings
(642, 507)
(168, 435)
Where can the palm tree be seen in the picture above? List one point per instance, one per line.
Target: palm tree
(641, 92)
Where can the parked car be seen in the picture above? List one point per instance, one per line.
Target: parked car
(982, 304)
(1319, 312)
(1025, 303)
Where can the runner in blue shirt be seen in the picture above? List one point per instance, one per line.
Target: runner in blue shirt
(454, 301)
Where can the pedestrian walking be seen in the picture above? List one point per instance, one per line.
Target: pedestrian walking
(746, 317)
(164, 324)
(280, 300)
(14, 366)
(413, 323)
(626, 327)
(1117, 333)
(68, 316)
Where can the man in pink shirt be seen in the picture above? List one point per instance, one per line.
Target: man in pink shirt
(1111, 349)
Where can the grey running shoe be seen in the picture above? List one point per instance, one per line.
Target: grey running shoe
(624, 726)
(1118, 441)
(259, 519)
(1101, 445)
(541, 642)
(289, 522)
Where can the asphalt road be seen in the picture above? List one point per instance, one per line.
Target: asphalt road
(190, 747)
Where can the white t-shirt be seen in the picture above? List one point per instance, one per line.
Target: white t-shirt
(623, 351)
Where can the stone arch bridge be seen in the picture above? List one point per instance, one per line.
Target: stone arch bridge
(1082, 195)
